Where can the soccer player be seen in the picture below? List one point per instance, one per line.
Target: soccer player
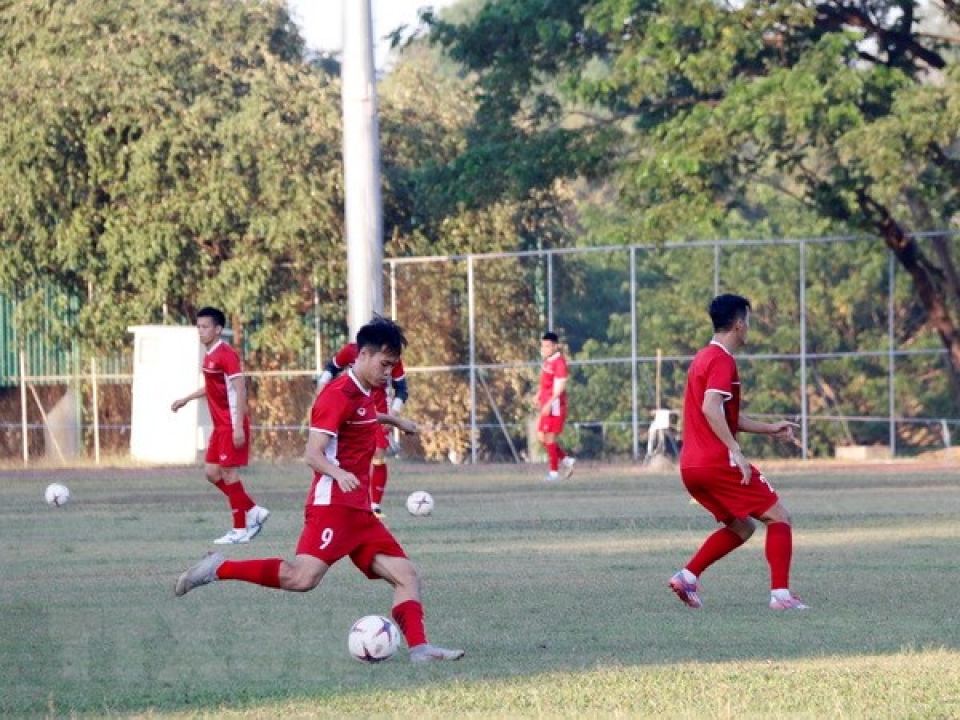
(398, 380)
(714, 469)
(552, 402)
(229, 447)
(338, 521)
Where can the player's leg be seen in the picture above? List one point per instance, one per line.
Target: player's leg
(566, 461)
(779, 554)
(378, 473)
(707, 487)
(301, 574)
(548, 440)
(407, 608)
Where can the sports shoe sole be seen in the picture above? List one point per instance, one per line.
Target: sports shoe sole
(688, 597)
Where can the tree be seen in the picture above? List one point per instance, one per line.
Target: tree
(157, 156)
(850, 108)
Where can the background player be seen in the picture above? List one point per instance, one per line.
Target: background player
(552, 403)
(714, 469)
(229, 447)
(398, 380)
(338, 520)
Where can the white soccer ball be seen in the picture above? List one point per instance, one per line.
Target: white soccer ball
(57, 495)
(420, 503)
(373, 639)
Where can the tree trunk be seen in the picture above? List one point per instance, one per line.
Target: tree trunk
(928, 281)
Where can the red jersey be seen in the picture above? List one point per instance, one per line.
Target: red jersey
(713, 370)
(346, 412)
(220, 365)
(348, 356)
(553, 368)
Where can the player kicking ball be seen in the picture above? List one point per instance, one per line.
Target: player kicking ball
(338, 520)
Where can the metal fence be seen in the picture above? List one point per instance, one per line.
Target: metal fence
(857, 376)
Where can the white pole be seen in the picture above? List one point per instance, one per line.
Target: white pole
(363, 211)
(23, 407)
(96, 410)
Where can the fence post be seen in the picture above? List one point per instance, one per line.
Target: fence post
(23, 406)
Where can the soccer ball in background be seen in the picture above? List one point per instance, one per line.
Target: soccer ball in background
(420, 503)
(57, 495)
(373, 639)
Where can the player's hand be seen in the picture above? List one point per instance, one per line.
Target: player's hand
(177, 404)
(348, 482)
(783, 429)
(239, 439)
(406, 425)
(740, 459)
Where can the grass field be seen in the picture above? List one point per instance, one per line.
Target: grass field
(558, 593)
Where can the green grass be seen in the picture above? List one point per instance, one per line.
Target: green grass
(558, 593)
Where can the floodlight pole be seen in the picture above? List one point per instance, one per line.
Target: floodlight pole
(363, 205)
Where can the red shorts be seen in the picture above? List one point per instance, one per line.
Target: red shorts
(383, 441)
(552, 424)
(720, 491)
(331, 532)
(220, 449)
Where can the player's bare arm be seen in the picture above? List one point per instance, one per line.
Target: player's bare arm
(779, 429)
(402, 424)
(713, 412)
(316, 458)
(240, 387)
(195, 395)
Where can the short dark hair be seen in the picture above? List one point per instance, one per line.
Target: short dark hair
(551, 336)
(381, 333)
(214, 313)
(725, 310)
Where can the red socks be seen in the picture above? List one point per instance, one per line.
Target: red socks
(378, 481)
(779, 552)
(409, 616)
(239, 501)
(555, 454)
(264, 572)
(723, 542)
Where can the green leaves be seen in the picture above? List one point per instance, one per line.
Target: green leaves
(162, 155)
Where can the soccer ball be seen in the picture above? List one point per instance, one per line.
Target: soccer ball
(57, 495)
(373, 639)
(420, 503)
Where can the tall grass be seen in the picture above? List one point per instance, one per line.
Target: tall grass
(558, 593)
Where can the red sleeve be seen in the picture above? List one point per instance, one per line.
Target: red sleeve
(398, 373)
(347, 355)
(230, 362)
(560, 368)
(329, 411)
(720, 374)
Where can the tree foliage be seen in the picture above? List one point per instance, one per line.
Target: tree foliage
(849, 108)
(157, 156)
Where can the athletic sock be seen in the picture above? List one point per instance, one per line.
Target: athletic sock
(553, 456)
(378, 480)
(409, 617)
(723, 542)
(265, 572)
(240, 502)
(779, 552)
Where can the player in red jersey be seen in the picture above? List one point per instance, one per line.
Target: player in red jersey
(229, 448)
(714, 469)
(338, 521)
(398, 381)
(552, 403)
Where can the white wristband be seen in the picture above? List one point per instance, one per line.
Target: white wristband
(325, 377)
(397, 405)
